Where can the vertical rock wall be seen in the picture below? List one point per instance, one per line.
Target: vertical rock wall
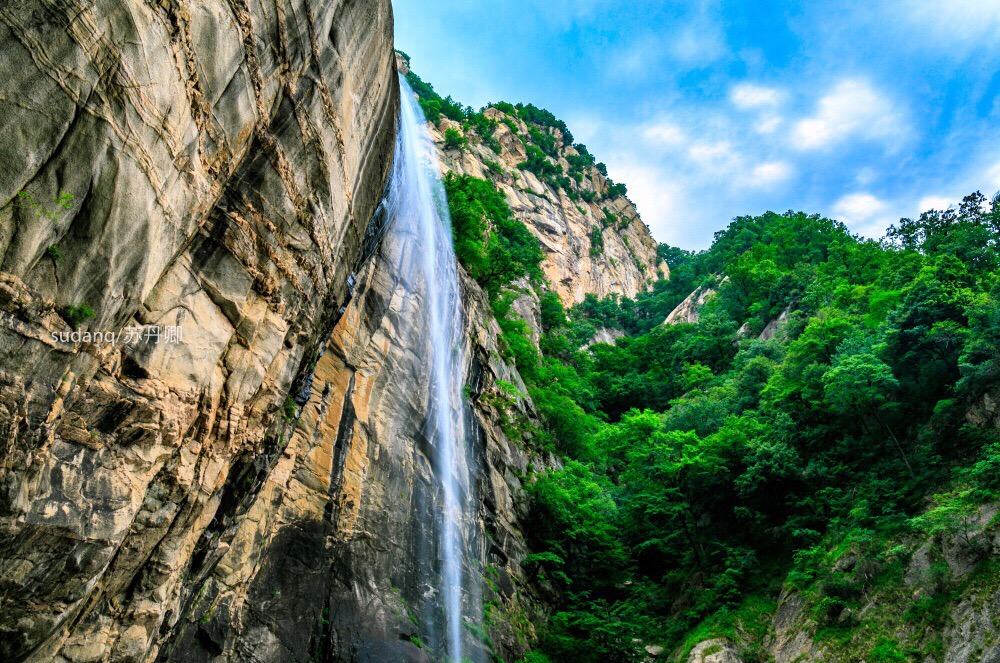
(202, 165)
(338, 547)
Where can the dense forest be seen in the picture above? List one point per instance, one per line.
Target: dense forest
(708, 465)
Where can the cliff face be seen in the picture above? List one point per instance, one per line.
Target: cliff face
(207, 167)
(624, 262)
(336, 550)
(259, 486)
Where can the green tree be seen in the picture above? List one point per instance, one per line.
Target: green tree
(454, 139)
(553, 315)
(863, 384)
(490, 242)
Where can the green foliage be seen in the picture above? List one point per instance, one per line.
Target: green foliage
(515, 335)
(288, 408)
(494, 247)
(970, 232)
(580, 163)
(704, 467)
(720, 463)
(553, 314)
(887, 651)
(484, 128)
(615, 190)
(77, 314)
(54, 252)
(494, 168)
(543, 118)
(432, 104)
(43, 211)
(596, 241)
(454, 139)
(545, 139)
(538, 163)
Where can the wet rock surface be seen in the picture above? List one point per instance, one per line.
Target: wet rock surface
(360, 468)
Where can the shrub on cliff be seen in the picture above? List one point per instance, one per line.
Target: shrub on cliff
(454, 139)
(433, 104)
(495, 248)
(616, 189)
(596, 242)
(540, 165)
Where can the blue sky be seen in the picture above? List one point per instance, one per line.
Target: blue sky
(862, 111)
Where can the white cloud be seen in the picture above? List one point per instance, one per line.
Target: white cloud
(866, 176)
(636, 58)
(658, 195)
(696, 41)
(859, 206)
(721, 159)
(748, 95)
(953, 20)
(993, 179)
(718, 156)
(851, 109)
(665, 133)
(770, 173)
(699, 43)
(934, 202)
(770, 124)
(863, 213)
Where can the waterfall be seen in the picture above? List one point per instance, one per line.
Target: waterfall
(421, 209)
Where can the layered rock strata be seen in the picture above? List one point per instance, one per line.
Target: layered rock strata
(208, 168)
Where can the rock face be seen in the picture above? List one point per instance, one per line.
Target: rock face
(627, 264)
(259, 486)
(336, 549)
(792, 631)
(689, 310)
(604, 335)
(775, 327)
(987, 411)
(714, 651)
(208, 167)
(955, 562)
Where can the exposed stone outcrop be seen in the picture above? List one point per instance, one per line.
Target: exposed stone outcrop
(627, 264)
(205, 166)
(793, 631)
(714, 651)
(954, 564)
(971, 632)
(604, 335)
(987, 411)
(776, 326)
(689, 310)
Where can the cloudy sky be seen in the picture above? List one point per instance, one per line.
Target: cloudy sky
(864, 111)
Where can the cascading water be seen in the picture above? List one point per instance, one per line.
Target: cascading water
(421, 209)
